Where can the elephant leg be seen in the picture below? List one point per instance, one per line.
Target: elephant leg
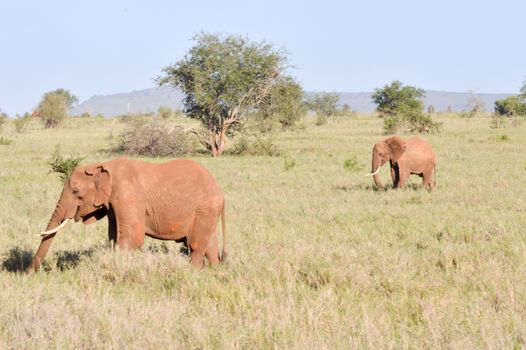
(403, 175)
(395, 176)
(212, 252)
(428, 178)
(130, 226)
(112, 228)
(199, 239)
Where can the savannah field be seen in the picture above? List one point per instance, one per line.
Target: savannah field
(318, 258)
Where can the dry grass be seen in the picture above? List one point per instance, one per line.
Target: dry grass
(319, 260)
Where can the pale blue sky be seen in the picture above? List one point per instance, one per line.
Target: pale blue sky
(102, 47)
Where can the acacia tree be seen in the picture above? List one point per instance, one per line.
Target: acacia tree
(510, 106)
(324, 104)
(70, 99)
(284, 104)
(225, 79)
(52, 109)
(394, 98)
(402, 108)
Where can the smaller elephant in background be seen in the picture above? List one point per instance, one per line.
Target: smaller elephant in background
(413, 156)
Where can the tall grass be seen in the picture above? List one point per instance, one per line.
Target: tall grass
(318, 259)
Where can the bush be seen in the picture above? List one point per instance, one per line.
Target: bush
(52, 109)
(511, 106)
(4, 141)
(85, 115)
(3, 119)
(415, 122)
(165, 112)
(289, 163)
(21, 123)
(255, 145)
(64, 166)
(152, 139)
(352, 165)
(421, 123)
(321, 119)
(498, 121)
(403, 110)
(393, 124)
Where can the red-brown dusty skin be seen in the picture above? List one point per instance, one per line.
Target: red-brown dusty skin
(178, 200)
(413, 156)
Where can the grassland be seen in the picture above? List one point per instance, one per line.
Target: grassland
(318, 259)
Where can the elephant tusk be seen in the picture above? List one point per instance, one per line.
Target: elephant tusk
(55, 230)
(372, 174)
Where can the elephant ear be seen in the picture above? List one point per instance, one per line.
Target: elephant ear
(397, 147)
(102, 180)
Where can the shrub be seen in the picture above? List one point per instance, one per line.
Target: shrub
(165, 112)
(321, 119)
(421, 123)
(64, 166)
(325, 104)
(352, 165)
(3, 119)
(85, 115)
(503, 138)
(403, 109)
(498, 121)
(289, 163)
(413, 122)
(255, 145)
(4, 141)
(393, 124)
(510, 106)
(153, 139)
(21, 123)
(52, 109)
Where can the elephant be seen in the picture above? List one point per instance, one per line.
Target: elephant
(178, 200)
(406, 157)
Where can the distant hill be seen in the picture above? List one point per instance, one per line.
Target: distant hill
(143, 101)
(149, 100)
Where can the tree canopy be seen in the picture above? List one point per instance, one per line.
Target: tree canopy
(324, 104)
(52, 109)
(510, 106)
(225, 79)
(402, 108)
(396, 98)
(70, 99)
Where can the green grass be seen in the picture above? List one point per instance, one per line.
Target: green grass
(318, 259)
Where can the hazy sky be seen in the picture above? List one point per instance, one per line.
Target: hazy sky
(102, 47)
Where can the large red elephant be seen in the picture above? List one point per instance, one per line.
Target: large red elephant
(406, 157)
(178, 200)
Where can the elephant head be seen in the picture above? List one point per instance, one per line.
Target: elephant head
(390, 149)
(85, 196)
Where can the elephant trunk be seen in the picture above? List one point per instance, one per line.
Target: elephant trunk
(375, 169)
(57, 218)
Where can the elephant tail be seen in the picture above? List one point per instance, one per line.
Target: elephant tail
(223, 230)
(435, 176)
